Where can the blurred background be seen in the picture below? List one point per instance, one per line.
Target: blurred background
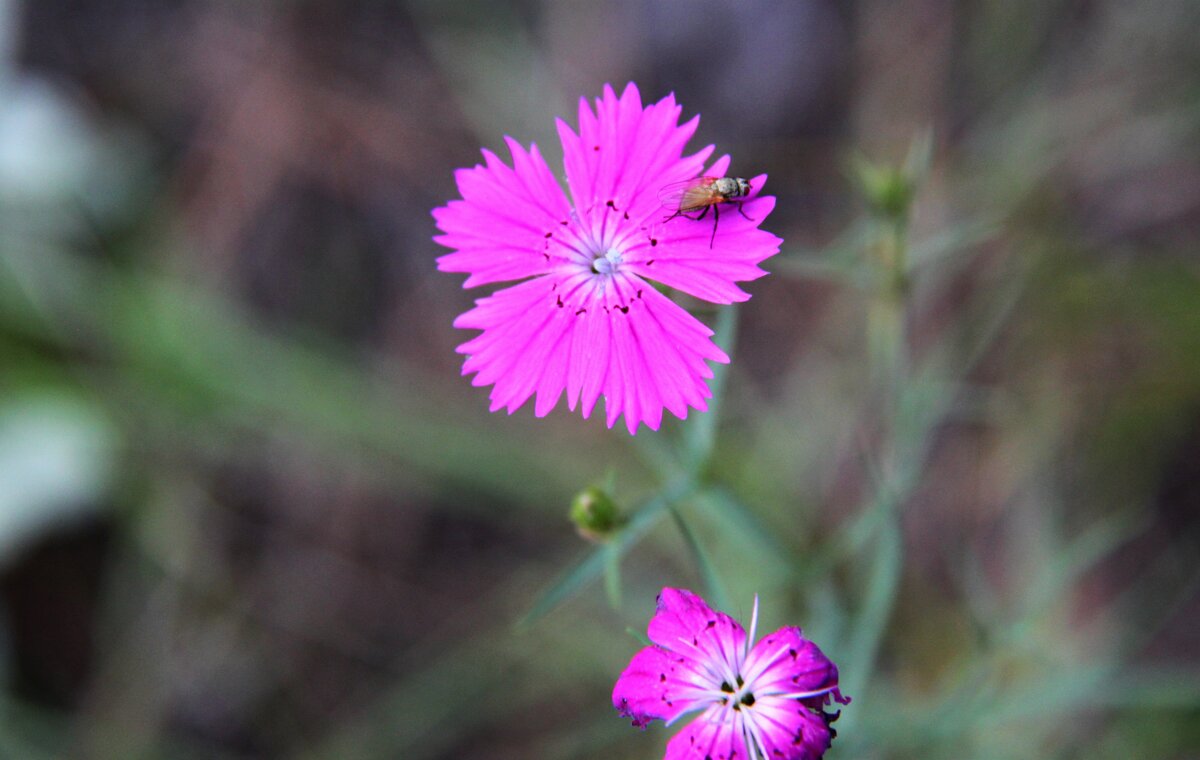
(248, 508)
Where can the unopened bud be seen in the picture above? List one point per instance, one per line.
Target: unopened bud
(888, 190)
(595, 514)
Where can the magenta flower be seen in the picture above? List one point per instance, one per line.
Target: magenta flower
(586, 320)
(765, 701)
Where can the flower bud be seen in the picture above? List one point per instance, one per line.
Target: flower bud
(595, 514)
(888, 190)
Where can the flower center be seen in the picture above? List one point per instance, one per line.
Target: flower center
(739, 696)
(607, 262)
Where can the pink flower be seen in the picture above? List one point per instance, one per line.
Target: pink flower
(765, 701)
(586, 320)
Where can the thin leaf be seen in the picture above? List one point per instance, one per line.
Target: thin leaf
(919, 157)
(729, 511)
(640, 636)
(712, 580)
(842, 261)
(867, 633)
(948, 242)
(1074, 560)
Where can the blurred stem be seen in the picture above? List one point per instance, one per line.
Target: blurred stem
(700, 435)
(612, 575)
(886, 315)
(877, 609)
(712, 581)
(735, 518)
(887, 341)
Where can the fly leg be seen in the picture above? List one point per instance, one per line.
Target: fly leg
(684, 213)
(743, 213)
(716, 218)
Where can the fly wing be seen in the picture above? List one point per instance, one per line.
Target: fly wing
(688, 195)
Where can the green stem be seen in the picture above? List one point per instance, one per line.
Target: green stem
(887, 314)
(888, 351)
(701, 434)
(882, 585)
(612, 575)
(708, 571)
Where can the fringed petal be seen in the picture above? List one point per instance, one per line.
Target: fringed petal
(657, 685)
(787, 663)
(503, 228)
(657, 355)
(614, 337)
(790, 731)
(709, 738)
(684, 624)
(625, 154)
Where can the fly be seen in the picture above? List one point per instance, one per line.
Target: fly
(701, 194)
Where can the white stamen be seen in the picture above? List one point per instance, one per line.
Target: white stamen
(752, 733)
(608, 263)
(753, 629)
(799, 694)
